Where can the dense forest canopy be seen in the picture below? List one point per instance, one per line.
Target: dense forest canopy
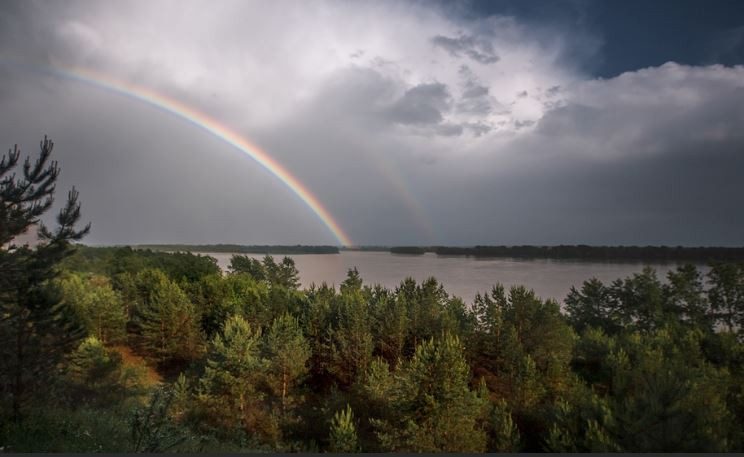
(248, 361)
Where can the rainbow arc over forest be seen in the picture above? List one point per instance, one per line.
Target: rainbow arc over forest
(203, 121)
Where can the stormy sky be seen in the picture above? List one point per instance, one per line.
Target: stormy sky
(455, 123)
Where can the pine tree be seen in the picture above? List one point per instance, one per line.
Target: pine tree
(247, 265)
(97, 375)
(282, 274)
(286, 352)
(666, 397)
(36, 328)
(343, 436)
(592, 306)
(504, 435)
(390, 325)
(234, 367)
(727, 294)
(436, 411)
(166, 320)
(98, 306)
(353, 281)
(686, 298)
(351, 341)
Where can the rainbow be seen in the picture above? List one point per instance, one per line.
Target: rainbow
(207, 123)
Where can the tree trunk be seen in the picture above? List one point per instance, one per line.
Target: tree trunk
(284, 391)
(17, 382)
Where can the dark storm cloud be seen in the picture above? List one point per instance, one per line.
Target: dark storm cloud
(649, 158)
(477, 128)
(475, 98)
(610, 37)
(422, 104)
(480, 50)
(397, 140)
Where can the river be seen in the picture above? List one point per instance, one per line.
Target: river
(461, 276)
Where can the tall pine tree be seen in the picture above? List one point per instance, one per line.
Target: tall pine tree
(36, 328)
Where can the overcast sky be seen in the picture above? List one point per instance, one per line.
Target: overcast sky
(456, 123)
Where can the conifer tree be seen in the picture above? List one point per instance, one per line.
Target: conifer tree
(503, 432)
(350, 337)
(36, 328)
(166, 320)
(282, 274)
(287, 353)
(592, 306)
(436, 409)
(666, 397)
(98, 306)
(727, 294)
(234, 367)
(390, 325)
(686, 298)
(247, 265)
(343, 436)
(97, 375)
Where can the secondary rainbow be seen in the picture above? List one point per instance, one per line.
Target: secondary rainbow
(212, 126)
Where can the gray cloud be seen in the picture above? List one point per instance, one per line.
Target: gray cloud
(422, 104)
(475, 98)
(397, 141)
(478, 49)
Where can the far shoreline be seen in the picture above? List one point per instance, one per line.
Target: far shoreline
(698, 254)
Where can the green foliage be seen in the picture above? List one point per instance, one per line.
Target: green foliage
(219, 297)
(97, 375)
(686, 297)
(638, 302)
(727, 294)
(352, 283)
(390, 325)
(666, 397)
(435, 409)
(503, 432)
(522, 350)
(343, 436)
(350, 334)
(164, 319)
(98, 306)
(228, 390)
(593, 306)
(282, 274)
(152, 429)
(584, 424)
(657, 366)
(247, 265)
(287, 352)
(36, 328)
(48, 428)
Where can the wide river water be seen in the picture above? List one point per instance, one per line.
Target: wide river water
(461, 276)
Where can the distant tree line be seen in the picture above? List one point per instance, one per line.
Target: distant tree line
(414, 250)
(366, 248)
(243, 249)
(656, 253)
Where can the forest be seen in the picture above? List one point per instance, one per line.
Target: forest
(172, 355)
(124, 350)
